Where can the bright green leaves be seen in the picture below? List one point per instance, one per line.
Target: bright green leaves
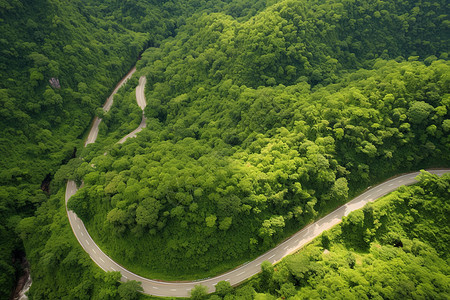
(393, 236)
(270, 227)
(26, 227)
(211, 221)
(35, 77)
(199, 292)
(446, 125)
(223, 288)
(262, 160)
(369, 149)
(117, 216)
(339, 191)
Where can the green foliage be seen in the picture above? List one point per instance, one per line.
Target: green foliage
(293, 41)
(58, 63)
(223, 288)
(287, 290)
(260, 117)
(130, 290)
(211, 221)
(325, 239)
(406, 257)
(199, 292)
(42, 122)
(189, 175)
(271, 226)
(53, 249)
(419, 112)
(266, 274)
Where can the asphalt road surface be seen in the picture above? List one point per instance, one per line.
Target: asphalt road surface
(243, 272)
(140, 98)
(93, 133)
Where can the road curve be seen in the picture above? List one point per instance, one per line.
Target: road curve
(243, 272)
(140, 98)
(93, 133)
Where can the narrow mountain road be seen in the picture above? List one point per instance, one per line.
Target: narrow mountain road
(243, 272)
(93, 133)
(140, 98)
(236, 276)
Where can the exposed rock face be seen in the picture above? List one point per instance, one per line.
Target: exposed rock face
(45, 185)
(54, 82)
(23, 283)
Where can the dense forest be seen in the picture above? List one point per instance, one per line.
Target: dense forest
(241, 199)
(42, 122)
(395, 248)
(236, 158)
(262, 115)
(59, 61)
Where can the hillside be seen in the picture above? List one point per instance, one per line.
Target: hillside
(42, 125)
(245, 144)
(262, 115)
(394, 248)
(59, 61)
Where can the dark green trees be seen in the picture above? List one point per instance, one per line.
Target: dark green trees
(258, 121)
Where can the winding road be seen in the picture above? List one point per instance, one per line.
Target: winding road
(243, 272)
(140, 98)
(93, 133)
